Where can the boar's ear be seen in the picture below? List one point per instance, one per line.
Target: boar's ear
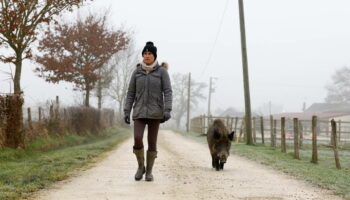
(216, 135)
(231, 135)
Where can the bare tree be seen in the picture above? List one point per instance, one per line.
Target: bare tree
(180, 86)
(19, 25)
(339, 90)
(76, 52)
(125, 63)
(106, 77)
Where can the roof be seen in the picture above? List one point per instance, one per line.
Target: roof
(328, 108)
(234, 113)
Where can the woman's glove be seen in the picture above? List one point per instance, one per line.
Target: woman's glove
(127, 118)
(166, 116)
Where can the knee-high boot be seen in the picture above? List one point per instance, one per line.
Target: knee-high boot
(140, 156)
(151, 156)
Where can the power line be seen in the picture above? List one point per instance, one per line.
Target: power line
(216, 38)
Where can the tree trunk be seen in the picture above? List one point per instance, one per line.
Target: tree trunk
(17, 78)
(87, 98)
(14, 130)
(99, 94)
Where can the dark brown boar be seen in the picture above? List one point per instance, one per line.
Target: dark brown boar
(219, 142)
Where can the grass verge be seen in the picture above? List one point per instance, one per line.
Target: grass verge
(49, 160)
(323, 174)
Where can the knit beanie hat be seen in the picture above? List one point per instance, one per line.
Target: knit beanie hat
(150, 48)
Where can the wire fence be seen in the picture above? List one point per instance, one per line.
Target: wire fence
(270, 127)
(49, 120)
(305, 137)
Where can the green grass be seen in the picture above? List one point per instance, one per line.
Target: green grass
(323, 174)
(49, 160)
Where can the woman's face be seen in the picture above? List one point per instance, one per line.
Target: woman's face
(148, 58)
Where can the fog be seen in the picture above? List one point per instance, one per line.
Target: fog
(294, 46)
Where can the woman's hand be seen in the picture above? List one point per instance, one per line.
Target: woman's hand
(127, 118)
(166, 117)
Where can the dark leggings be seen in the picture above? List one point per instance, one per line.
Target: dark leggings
(139, 128)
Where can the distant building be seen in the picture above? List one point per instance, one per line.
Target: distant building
(231, 112)
(328, 108)
(308, 116)
(324, 111)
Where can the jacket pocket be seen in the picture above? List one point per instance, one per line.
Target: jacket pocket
(137, 99)
(160, 102)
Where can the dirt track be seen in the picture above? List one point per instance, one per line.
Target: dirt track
(182, 171)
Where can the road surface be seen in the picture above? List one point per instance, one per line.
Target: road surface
(181, 171)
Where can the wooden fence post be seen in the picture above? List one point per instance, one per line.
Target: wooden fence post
(314, 158)
(51, 112)
(236, 122)
(203, 124)
(241, 129)
(65, 116)
(301, 136)
(271, 130)
(274, 133)
(40, 114)
(30, 118)
(254, 129)
(335, 148)
(57, 109)
(296, 139)
(262, 129)
(227, 122)
(339, 131)
(283, 135)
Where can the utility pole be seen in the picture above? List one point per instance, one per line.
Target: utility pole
(211, 90)
(188, 103)
(209, 98)
(248, 117)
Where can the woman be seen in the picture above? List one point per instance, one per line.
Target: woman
(150, 97)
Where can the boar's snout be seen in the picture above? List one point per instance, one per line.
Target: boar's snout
(223, 157)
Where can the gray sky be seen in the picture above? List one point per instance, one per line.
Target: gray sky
(293, 46)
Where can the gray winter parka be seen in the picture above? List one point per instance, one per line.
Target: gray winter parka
(149, 94)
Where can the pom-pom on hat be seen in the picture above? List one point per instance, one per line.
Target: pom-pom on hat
(150, 48)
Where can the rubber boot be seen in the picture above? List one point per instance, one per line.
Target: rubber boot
(151, 156)
(140, 156)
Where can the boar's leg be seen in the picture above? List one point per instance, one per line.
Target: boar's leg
(217, 164)
(222, 165)
(213, 161)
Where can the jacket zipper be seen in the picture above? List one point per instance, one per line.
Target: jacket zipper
(147, 79)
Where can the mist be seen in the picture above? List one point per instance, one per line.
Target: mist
(293, 48)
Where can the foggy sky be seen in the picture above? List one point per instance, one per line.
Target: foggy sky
(294, 46)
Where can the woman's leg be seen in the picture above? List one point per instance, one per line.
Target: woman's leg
(153, 127)
(139, 128)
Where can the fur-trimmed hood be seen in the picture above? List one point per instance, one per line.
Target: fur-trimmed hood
(163, 64)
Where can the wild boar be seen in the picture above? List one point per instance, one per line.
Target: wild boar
(219, 142)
